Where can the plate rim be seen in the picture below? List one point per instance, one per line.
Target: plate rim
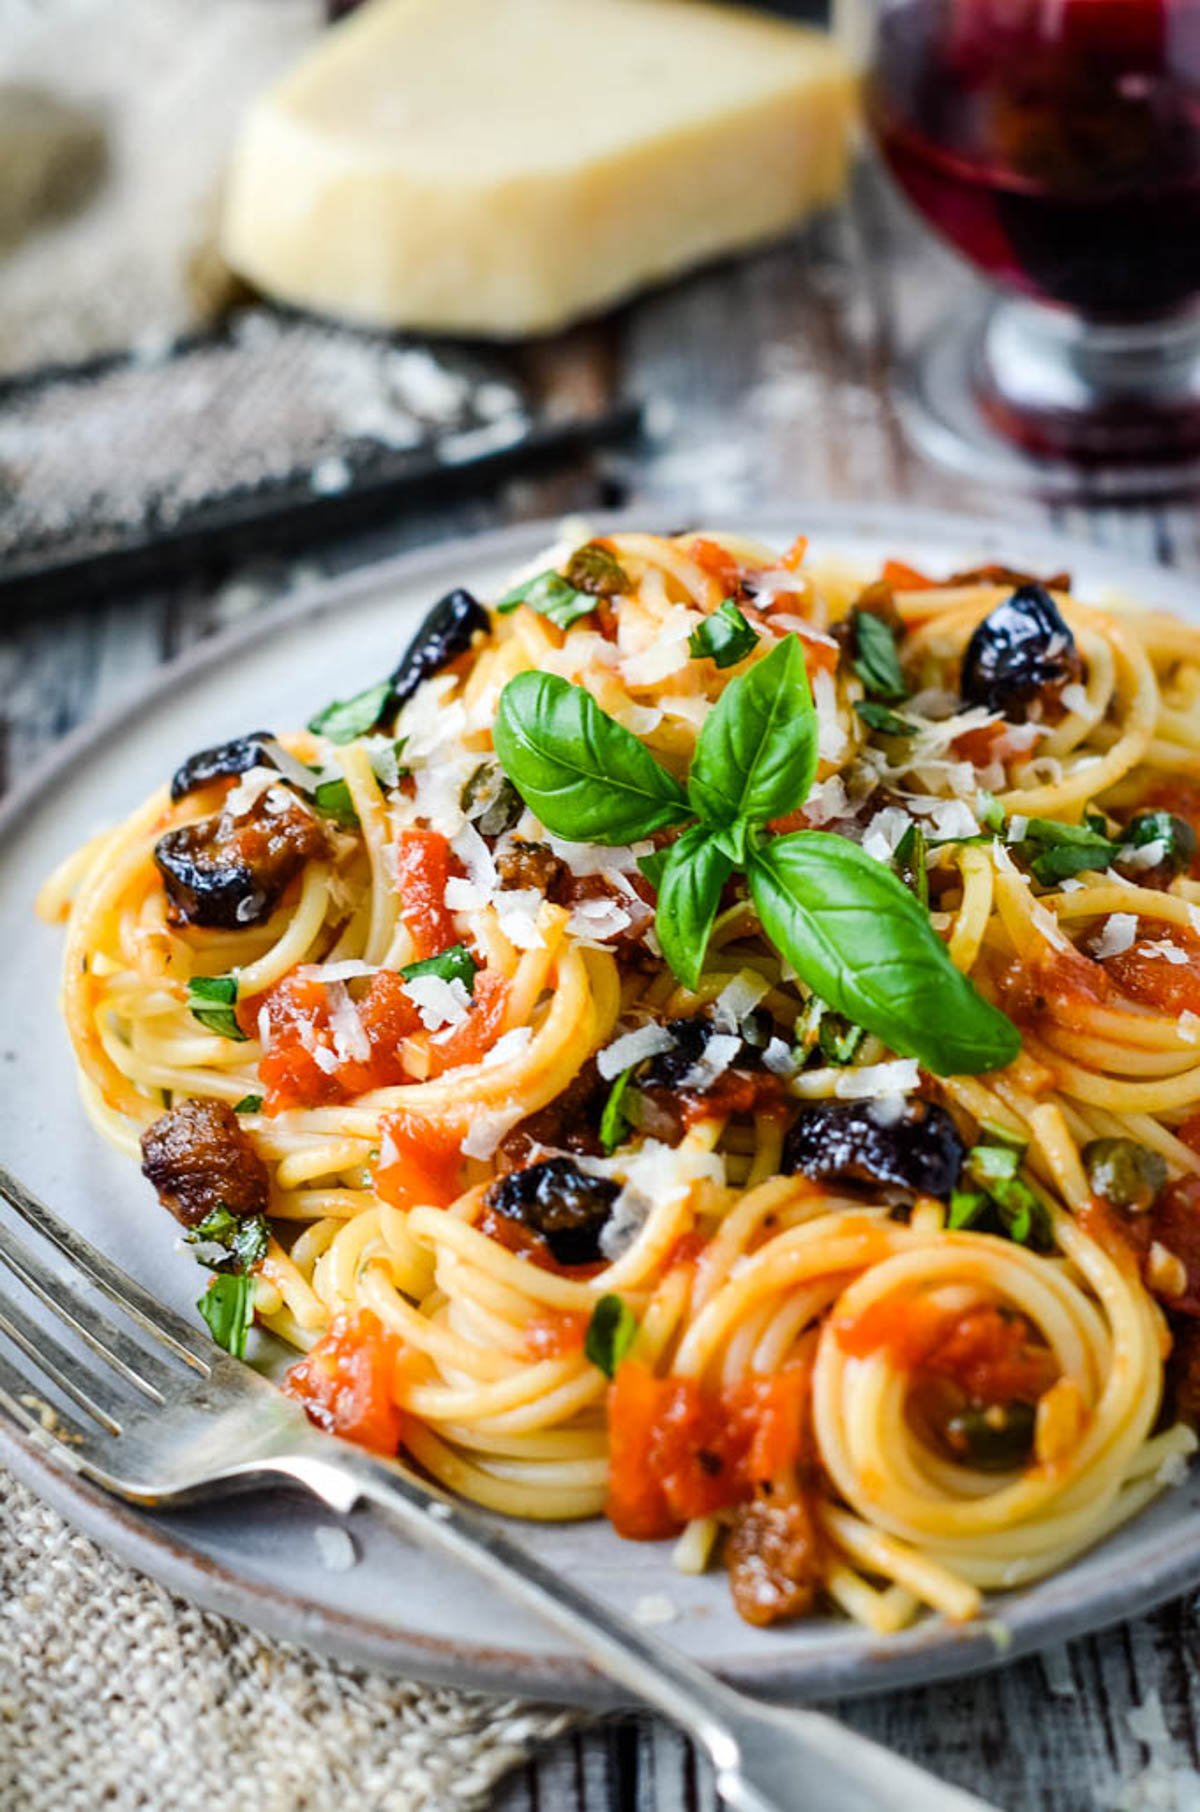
(158, 1545)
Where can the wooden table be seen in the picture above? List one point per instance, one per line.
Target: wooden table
(768, 383)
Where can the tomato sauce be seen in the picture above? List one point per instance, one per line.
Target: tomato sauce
(1182, 798)
(475, 1035)
(989, 1354)
(347, 1383)
(678, 1450)
(1175, 1224)
(553, 1336)
(1146, 976)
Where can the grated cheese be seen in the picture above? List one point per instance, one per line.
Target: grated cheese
(738, 998)
(720, 1051)
(831, 736)
(873, 1080)
(438, 1001)
(1116, 935)
(633, 1047)
(827, 801)
(487, 1130)
(350, 1040)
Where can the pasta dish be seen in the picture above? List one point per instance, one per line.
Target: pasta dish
(711, 1039)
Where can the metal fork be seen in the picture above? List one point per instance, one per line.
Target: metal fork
(180, 1420)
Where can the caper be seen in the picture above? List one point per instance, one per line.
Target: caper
(997, 1438)
(1125, 1173)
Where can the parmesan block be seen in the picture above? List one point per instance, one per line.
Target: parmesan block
(500, 167)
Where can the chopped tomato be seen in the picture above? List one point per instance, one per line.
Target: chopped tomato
(905, 578)
(419, 1164)
(990, 1354)
(305, 1064)
(718, 563)
(347, 1383)
(475, 1035)
(677, 1450)
(423, 866)
(1053, 987)
(1145, 975)
(554, 1335)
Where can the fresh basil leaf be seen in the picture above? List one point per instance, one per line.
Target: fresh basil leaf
(211, 999)
(611, 1332)
(615, 1121)
(593, 569)
(346, 719)
(585, 777)
(689, 893)
(333, 799)
(653, 864)
(757, 752)
(244, 1239)
(858, 938)
(455, 964)
(228, 1307)
(725, 637)
(876, 661)
(1055, 851)
(1023, 1216)
(878, 717)
(552, 597)
(912, 863)
(249, 1104)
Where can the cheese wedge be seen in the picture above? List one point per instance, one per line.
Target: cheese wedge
(500, 167)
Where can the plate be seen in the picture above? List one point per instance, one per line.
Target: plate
(258, 1559)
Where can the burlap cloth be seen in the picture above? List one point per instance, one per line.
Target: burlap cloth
(115, 1694)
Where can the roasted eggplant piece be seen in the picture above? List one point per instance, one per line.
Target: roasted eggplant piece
(199, 1159)
(447, 632)
(226, 873)
(556, 1200)
(692, 1038)
(222, 762)
(848, 1142)
(1021, 651)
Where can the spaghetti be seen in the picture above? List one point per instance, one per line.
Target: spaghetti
(688, 1164)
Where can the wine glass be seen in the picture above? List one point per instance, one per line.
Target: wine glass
(1056, 145)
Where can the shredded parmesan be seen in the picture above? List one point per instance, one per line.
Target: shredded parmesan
(738, 998)
(438, 1001)
(1115, 936)
(633, 1047)
(720, 1051)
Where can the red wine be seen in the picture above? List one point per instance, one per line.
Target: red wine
(1055, 143)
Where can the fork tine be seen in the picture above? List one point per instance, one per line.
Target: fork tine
(161, 1322)
(19, 1395)
(143, 1369)
(62, 1369)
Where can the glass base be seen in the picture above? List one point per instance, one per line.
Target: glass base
(1024, 397)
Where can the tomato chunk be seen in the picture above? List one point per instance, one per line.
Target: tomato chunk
(677, 1450)
(347, 1383)
(306, 1062)
(475, 1035)
(990, 1354)
(419, 1163)
(423, 866)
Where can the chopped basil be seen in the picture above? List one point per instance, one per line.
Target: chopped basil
(610, 1334)
(243, 1240)
(989, 811)
(249, 1104)
(724, 638)
(228, 1307)
(1176, 835)
(593, 569)
(333, 800)
(878, 717)
(1001, 1201)
(553, 597)
(615, 1121)
(211, 999)
(386, 765)
(876, 660)
(912, 862)
(490, 800)
(839, 1041)
(455, 964)
(346, 719)
(1056, 851)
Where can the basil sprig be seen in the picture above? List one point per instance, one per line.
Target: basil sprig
(1000, 1201)
(725, 637)
(211, 999)
(553, 597)
(849, 927)
(242, 1240)
(346, 719)
(876, 660)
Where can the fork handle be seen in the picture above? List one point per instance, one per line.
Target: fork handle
(765, 1759)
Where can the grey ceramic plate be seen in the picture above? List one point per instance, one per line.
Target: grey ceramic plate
(258, 1559)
